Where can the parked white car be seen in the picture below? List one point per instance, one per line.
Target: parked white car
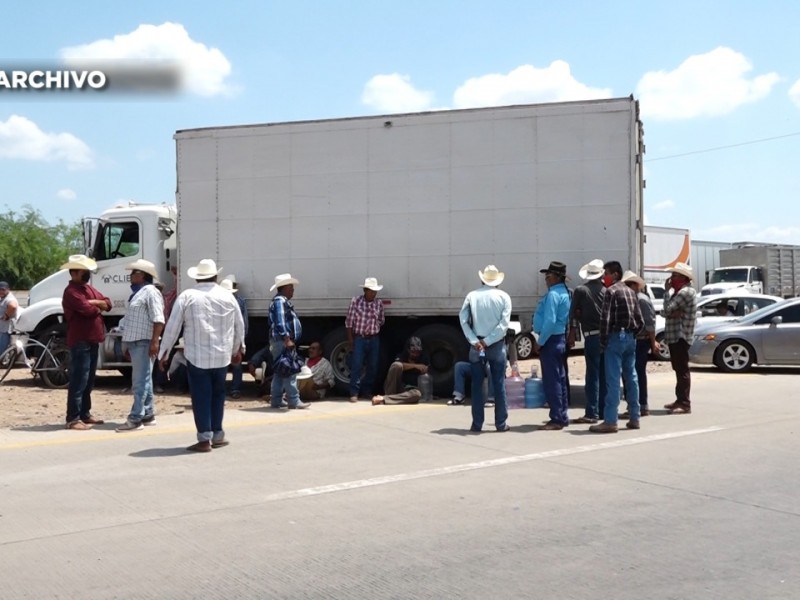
(739, 304)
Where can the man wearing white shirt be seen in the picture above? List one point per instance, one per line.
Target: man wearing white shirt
(213, 338)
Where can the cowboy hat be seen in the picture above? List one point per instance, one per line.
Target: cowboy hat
(227, 284)
(80, 262)
(630, 276)
(592, 270)
(555, 267)
(304, 373)
(145, 266)
(205, 269)
(491, 276)
(282, 280)
(371, 283)
(232, 277)
(681, 269)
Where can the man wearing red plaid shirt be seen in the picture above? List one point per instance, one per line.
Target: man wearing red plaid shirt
(363, 322)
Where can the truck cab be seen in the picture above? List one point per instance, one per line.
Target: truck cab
(726, 279)
(118, 237)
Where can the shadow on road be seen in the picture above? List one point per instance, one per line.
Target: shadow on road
(160, 452)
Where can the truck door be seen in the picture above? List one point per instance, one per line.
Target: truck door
(117, 243)
(781, 342)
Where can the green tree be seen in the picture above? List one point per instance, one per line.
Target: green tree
(31, 249)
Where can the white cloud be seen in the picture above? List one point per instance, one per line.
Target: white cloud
(395, 93)
(21, 138)
(203, 69)
(704, 85)
(526, 84)
(794, 93)
(664, 205)
(66, 194)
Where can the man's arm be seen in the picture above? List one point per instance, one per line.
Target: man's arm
(605, 319)
(11, 310)
(465, 316)
(349, 321)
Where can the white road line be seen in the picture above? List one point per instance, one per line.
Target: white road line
(484, 464)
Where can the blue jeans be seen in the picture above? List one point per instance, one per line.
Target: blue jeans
(594, 388)
(5, 340)
(141, 380)
(282, 384)
(462, 370)
(236, 378)
(554, 378)
(642, 356)
(620, 358)
(364, 350)
(496, 359)
(207, 387)
(82, 369)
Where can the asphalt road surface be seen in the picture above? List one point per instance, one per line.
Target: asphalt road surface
(354, 501)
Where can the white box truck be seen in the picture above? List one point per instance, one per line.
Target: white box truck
(759, 268)
(705, 258)
(420, 201)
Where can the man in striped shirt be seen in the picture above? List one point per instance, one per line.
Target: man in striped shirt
(363, 322)
(213, 338)
(620, 322)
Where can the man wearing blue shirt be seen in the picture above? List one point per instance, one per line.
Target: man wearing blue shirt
(550, 324)
(485, 318)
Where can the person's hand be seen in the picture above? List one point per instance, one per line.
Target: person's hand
(236, 359)
(153, 348)
(289, 344)
(571, 338)
(422, 368)
(655, 349)
(163, 363)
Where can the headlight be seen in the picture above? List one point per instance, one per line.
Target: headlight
(709, 337)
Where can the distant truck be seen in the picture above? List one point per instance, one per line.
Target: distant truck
(664, 247)
(421, 201)
(705, 258)
(759, 268)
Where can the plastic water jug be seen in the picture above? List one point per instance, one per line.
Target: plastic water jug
(515, 389)
(534, 393)
(425, 385)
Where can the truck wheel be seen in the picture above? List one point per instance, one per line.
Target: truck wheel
(735, 356)
(663, 348)
(336, 351)
(524, 345)
(445, 345)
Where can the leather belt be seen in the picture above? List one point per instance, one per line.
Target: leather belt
(361, 335)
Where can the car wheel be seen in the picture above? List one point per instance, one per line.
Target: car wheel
(524, 345)
(735, 356)
(663, 348)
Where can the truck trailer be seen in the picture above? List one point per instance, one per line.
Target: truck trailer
(759, 268)
(664, 247)
(420, 201)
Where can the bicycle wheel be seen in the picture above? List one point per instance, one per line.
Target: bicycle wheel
(55, 367)
(7, 361)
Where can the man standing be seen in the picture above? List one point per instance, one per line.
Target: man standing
(284, 331)
(620, 322)
(680, 310)
(83, 307)
(363, 322)
(8, 312)
(587, 303)
(237, 370)
(550, 324)
(213, 334)
(144, 322)
(485, 317)
(646, 339)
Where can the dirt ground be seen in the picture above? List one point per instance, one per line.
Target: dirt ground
(24, 402)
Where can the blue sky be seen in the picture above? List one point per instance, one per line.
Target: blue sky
(708, 74)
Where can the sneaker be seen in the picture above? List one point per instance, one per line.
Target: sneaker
(79, 425)
(455, 401)
(129, 425)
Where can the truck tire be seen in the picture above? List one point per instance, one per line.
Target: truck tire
(338, 354)
(445, 345)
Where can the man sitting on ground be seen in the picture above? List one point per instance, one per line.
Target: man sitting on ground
(321, 380)
(401, 382)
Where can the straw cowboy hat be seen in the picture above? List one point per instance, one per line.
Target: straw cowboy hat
(144, 266)
(682, 269)
(282, 280)
(205, 269)
(227, 284)
(80, 262)
(491, 276)
(371, 283)
(592, 270)
(630, 276)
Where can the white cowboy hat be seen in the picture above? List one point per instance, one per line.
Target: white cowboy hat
(227, 284)
(80, 262)
(282, 280)
(305, 373)
(681, 269)
(232, 277)
(592, 270)
(631, 276)
(143, 265)
(372, 284)
(205, 269)
(491, 276)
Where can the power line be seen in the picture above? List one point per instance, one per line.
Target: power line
(751, 142)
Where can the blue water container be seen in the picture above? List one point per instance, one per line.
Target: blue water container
(534, 393)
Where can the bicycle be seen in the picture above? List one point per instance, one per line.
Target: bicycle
(49, 360)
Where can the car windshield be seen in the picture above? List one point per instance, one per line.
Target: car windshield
(728, 275)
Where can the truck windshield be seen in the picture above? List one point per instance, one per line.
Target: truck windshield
(115, 240)
(728, 275)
